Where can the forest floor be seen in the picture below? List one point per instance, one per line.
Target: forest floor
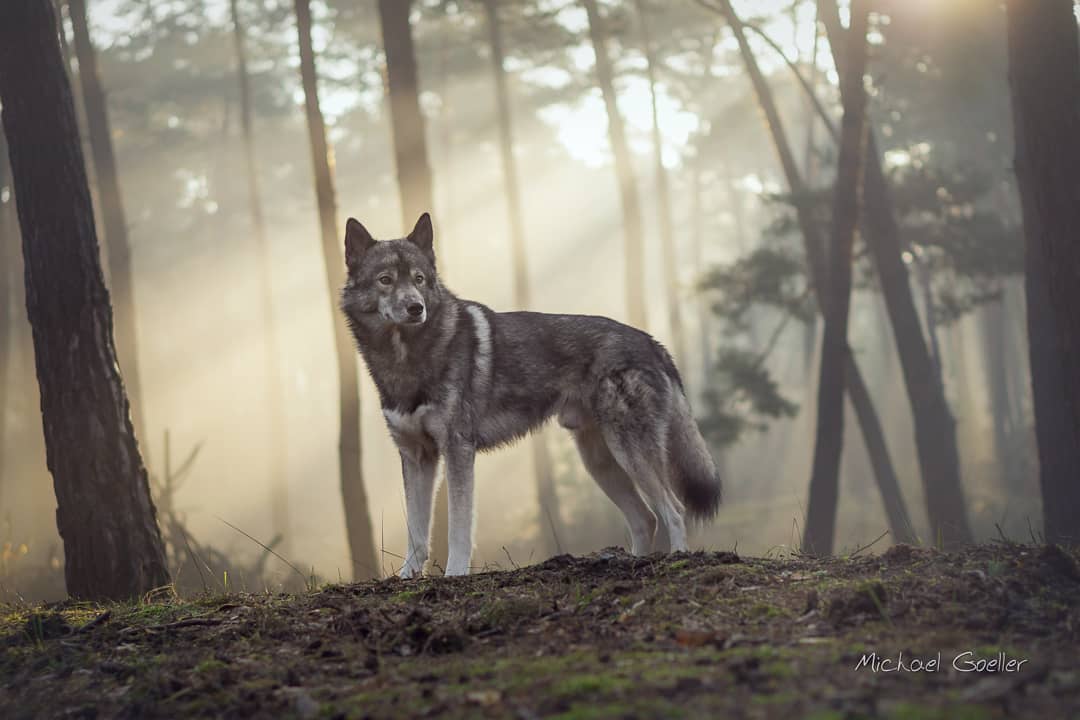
(602, 636)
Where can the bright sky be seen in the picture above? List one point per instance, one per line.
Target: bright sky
(582, 125)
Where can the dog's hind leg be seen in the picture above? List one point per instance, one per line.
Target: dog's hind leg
(615, 483)
(630, 408)
(418, 469)
(648, 477)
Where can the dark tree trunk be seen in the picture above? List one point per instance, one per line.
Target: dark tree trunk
(1056, 430)
(357, 515)
(276, 439)
(414, 173)
(870, 425)
(922, 276)
(663, 199)
(624, 171)
(1044, 74)
(406, 119)
(7, 297)
(105, 514)
(114, 222)
(825, 473)
(935, 428)
(549, 520)
(896, 513)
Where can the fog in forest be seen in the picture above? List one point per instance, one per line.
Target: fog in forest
(938, 103)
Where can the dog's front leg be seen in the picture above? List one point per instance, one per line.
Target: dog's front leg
(459, 479)
(418, 470)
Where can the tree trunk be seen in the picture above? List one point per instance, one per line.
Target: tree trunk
(549, 520)
(935, 428)
(825, 473)
(406, 119)
(922, 276)
(357, 516)
(105, 514)
(896, 513)
(624, 171)
(414, 174)
(114, 222)
(869, 423)
(697, 225)
(663, 200)
(1003, 415)
(273, 379)
(1044, 74)
(7, 298)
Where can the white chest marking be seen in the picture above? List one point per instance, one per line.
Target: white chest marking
(406, 424)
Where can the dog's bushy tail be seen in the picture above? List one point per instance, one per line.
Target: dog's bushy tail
(693, 472)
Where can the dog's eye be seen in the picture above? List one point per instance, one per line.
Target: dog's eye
(419, 279)
(386, 280)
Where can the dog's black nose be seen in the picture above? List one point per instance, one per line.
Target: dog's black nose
(416, 309)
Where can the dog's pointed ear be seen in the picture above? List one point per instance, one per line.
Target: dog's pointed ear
(423, 236)
(357, 242)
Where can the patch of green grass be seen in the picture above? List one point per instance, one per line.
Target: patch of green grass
(406, 595)
(209, 665)
(590, 685)
(604, 711)
(913, 711)
(777, 698)
(509, 611)
(764, 611)
(826, 715)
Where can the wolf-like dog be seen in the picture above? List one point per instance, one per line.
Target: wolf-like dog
(455, 377)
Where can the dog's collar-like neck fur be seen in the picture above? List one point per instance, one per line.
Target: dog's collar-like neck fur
(388, 346)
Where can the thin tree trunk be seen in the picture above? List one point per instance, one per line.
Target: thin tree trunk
(935, 428)
(895, 509)
(697, 224)
(549, 520)
(922, 275)
(447, 209)
(663, 200)
(414, 174)
(1003, 415)
(7, 299)
(105, 513)
(624, 171)
(114, 222)
(357, 515)
(820, 528)
(1044, 75)
(273, 380)
(900, 527)
(406, 119)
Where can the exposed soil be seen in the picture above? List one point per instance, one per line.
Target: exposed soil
(608, 635)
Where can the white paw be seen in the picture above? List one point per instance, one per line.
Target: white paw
(411, 570)
(457, 568)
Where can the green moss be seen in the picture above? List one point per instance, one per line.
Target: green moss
(507, 612)
(590, 685)
(764, 611)
(209, 665)
(913, 711)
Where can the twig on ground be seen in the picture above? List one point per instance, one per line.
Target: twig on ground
(868, 545)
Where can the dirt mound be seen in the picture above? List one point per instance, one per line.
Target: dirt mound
(606, 635)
